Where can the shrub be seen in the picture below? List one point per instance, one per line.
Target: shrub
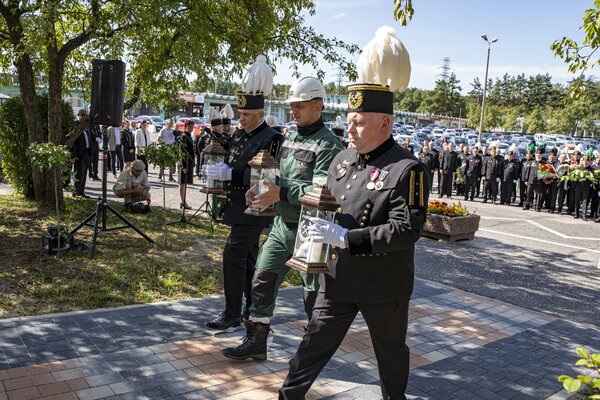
(14, 140)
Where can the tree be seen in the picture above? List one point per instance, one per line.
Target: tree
(511, 122)
(580, 57)
(162, 42)
(445, 99)
(536, 121)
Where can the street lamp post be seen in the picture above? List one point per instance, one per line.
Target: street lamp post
(487, 65)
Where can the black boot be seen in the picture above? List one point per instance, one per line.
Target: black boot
(223, 323)
(254, 345)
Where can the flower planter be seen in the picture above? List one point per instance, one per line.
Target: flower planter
(450, 229)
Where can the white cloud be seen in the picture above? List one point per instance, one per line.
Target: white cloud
(337, 16)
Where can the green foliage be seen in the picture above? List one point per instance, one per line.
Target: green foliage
(536, 122)
(584, 384)
(403, 11)
(163, 155)
(14, 140)
(581, 57)
(47, 156)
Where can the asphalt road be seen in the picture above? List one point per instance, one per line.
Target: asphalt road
(539, 261)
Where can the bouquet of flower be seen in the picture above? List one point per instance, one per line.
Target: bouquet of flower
(546, 171)
(580, 175)
(449, 210)
(459, 176)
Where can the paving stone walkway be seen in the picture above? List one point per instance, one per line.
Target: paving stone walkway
(463, 346)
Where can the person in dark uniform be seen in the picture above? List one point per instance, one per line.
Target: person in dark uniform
(448, 165)
(541, 187)
(436, 165)
(524, 170)
(552, 184)
(381, 189)
(428, 159)
(595, 192)
(226, 117)
(510, 174)
(575, 158)
(96, 136)
(461, 161)
(583, 189)
(472, 174)
(186, 173)
(241, 250)
(531, 179)
(484, 156)
(492, 172)
(562, 168)
(200, 142)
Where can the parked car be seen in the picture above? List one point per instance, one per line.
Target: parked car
(437, 133)
(198, 124)
(156, 122)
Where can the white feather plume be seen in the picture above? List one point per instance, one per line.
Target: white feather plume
(495, 143)
(579, 148)
(227, 111)
(478, 145)
(272, 120)
(213, 114)
(385, 61)
(338, 124)
(596, 153)
(513, 148)
(259, 78)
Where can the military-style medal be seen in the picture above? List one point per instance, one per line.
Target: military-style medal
(379, 183)
(342, 168)
(373, 177)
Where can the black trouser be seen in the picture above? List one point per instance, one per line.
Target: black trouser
(490, 189)
(552, 195)
(81, 171)
(116, 160)
(571, 198)
(439, 176)
(541, 191)
(328, 326)
(94, 161)
(471, 184)
(479, 182)
(446, 185)
(530, 195)
(562, 194)
(582, 195)
(142, 158)
(430, 181)
(595, 202)
(514, 193)
(239, 263)
(198, 163)
(506, 192)
(522, 192)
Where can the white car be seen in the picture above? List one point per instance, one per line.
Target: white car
(409, 128)
(437, 133)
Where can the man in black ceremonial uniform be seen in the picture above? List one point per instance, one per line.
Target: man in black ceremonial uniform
(382, 192)
(524, 170)
(510, 174)
(491, 171)
(583, 188)
(241, 249)
(448, 165)
(472, 174)
(531, 179)
(427, 157)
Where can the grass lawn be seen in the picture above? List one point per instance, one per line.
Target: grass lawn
(126, 270)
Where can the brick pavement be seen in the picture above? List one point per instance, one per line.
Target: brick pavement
(463, 346)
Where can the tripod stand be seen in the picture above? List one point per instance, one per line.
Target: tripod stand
(102, 206)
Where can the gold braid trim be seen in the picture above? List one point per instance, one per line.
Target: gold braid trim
(411, 190)
(421, 199)
(378, 88)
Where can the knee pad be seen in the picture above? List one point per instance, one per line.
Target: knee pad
(263, 287)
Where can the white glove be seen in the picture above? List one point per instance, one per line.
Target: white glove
(322, 231)
(219, 171)
(497, 179)
(515, 181)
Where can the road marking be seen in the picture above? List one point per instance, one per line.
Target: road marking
(562, 235)
(539, 240)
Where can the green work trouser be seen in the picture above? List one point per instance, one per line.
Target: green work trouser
(271, 270)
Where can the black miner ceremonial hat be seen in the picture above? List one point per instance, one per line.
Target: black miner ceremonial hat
(257, 84)
(383, 67)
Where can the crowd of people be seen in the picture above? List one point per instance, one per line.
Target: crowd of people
(528, 183)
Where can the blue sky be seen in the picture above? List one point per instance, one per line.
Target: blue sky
(445, 28)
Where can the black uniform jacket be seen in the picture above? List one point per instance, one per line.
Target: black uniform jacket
(473, 170)
(428, 160)
(242, 147)
(448, 162)
(531, 173)
(510, 170)
(492, 168)
(384, 223)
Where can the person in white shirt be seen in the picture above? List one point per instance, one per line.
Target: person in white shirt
(142, 139)
(167, 136)
(115, 149)
(132, 184)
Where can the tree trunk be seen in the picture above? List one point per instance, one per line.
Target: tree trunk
(55, 135)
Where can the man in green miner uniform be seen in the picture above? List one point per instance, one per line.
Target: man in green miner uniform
(241, 249)
(304, 155)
